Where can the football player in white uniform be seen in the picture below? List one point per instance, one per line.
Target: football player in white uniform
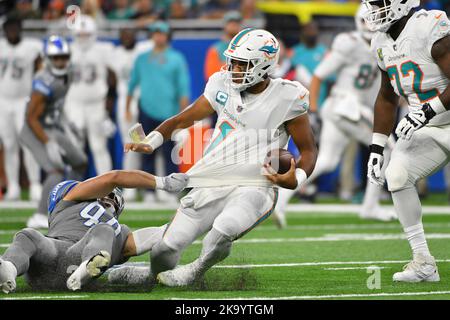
(85, 104)
(124, 56)
(19, 59)
(412, 49)
(347, 113)
(230, 194)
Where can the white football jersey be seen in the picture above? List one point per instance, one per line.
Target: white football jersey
(90, 71)
(246, 129)
(123, 63)
(357, 72)
(17, 67)
(408, 61)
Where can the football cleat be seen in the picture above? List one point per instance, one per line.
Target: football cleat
(280, 219)
(131, 275)
(38, 221)
(8, 274)
(92, 268)
(421, 268)
(378, 213)
(178, 277)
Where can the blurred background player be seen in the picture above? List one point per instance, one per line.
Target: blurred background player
(347, 112)
(124, 57)
(410, 46)
(162, 76)
(215, 59)
(84, 237)
(46, 131)
(19, 60)
(93, 79)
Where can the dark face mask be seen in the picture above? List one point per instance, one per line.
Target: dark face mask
(310, 41)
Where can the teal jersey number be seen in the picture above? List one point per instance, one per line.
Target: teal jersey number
(406, 69)
(225, 129)
(366, 77)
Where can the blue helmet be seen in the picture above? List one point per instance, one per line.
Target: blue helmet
(56, 47)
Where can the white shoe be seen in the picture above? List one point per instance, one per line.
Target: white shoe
(166, 197)
(422, 268)
(8, 273)
(180, 276)
(131, 275)
(130, 194)
(149, 197)
(35, 192)
(38, 221)
(12, 194)
(89, 269)
(280, 219)
(378, 213)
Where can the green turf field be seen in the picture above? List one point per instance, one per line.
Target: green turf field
(320, 256)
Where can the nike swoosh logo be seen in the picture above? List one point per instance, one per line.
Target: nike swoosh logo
(438, 17)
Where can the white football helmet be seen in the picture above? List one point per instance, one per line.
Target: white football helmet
(260, 49)
(361, 24)
(383, 13)
(85, 31)
(56, 47)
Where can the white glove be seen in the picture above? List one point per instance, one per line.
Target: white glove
(415, 120)
(108, 128)
(375, 164)
(55, 153)
(172, 183)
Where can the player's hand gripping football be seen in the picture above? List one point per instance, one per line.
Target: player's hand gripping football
(287, 180)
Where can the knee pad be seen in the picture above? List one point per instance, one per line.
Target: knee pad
(396, 176)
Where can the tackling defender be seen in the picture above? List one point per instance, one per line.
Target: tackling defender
(413, 52)
(231, 196)
(347, 113)
(84, 237)
(46, 132)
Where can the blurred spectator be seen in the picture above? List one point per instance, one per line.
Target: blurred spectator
(284, 69)
(55, 10)
(214, 57)
(92, 8)
(216, 9)
(121, 11)
(163, 78)
(146, 13)
(249, 10)
(309, 52)
(24, 10)
(178, 10)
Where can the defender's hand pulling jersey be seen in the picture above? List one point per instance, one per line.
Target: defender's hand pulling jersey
(413, 72)
(247, 128)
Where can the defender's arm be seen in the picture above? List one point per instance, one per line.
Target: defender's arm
(36, 108)
(441, 55)
(385, 107)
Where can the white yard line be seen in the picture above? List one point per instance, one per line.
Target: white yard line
(333, 296)
(352, 268)
(45, 297)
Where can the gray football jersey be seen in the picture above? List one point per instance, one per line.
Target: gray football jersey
(54, 89)
(70, 220)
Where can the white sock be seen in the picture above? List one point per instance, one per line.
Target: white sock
(417, 241)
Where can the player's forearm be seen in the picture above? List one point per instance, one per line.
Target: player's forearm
(37, 129)
(128, 103)
(131, 179)
(314, 91)
(308, 160)
(384, 116)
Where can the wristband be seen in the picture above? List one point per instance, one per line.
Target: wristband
(437, 105)
(379, 139)
(154, 139)
(301, 176)
(159, 182)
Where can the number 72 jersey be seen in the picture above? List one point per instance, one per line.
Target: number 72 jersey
(412, 70)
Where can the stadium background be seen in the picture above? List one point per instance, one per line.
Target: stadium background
(195, 31)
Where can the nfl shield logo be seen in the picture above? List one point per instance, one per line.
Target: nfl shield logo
(239, 109)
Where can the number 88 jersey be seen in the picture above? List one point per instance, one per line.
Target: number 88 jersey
(412, 70)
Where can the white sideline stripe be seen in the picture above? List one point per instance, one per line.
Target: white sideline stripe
(299, 264)
(44, 297)
(327, 237)
(352, 268)
(291, 208)
(331, 296)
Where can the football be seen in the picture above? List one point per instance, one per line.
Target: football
(279, 160)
